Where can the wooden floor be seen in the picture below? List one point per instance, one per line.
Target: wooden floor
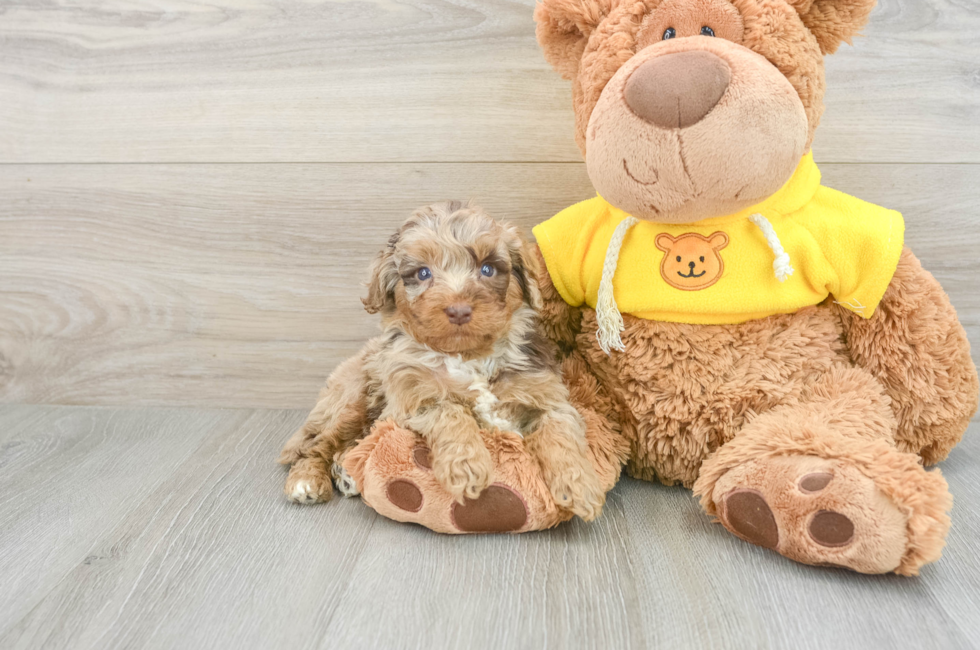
(166, 528)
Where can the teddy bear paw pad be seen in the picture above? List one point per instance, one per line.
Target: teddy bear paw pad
(498, 509)
(405, 495)
(747, 514)
(816, 511)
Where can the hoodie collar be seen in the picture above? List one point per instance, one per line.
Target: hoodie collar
(791, 197)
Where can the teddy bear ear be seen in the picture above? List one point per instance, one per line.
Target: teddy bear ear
(563, 29)
(833, 21)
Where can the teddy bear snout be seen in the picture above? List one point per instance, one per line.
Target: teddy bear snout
(678, 89)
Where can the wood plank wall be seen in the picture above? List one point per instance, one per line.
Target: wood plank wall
(190, 192)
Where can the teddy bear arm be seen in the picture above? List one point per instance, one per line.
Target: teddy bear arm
(560, 321)
(916, 347)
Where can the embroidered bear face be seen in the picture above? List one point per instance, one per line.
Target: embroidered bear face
(692, 261)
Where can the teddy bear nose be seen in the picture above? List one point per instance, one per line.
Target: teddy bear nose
(677, 90)
(459, 314)
(691, 265)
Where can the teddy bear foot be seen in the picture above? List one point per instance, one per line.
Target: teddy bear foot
(393, 470)
(828, 512)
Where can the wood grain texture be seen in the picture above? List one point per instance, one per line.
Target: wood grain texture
(239, 285)
(406, 80)
(209, 554)
(67, 477)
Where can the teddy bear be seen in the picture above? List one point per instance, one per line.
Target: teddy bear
(726, 322)
(767, 341)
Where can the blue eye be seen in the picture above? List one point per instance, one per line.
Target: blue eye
(487, 270)
(669, 33)
(424, 273)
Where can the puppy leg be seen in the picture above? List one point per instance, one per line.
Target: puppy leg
(342, 479)
(309, 481)
(460, 460)
(559, 446)
(340, 415)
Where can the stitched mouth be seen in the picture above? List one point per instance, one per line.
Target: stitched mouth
(692, 274)
(637, 180)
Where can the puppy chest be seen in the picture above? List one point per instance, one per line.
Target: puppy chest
(473, 381)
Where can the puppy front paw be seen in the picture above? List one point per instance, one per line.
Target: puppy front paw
(464, 470)
(308, 482)
(574, 486)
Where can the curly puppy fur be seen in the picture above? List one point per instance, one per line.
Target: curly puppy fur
(757, 407)
(460, 352)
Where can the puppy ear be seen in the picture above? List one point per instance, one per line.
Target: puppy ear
(524, 265)
(563, 29)
(384, 279)
(833, 21)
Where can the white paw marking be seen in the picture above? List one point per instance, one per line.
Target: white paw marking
(345, 483)
(303, 492)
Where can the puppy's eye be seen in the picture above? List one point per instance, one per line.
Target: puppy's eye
(423, 273)
(670, 32)
(678, 258)
(707, 31)
(487, 271)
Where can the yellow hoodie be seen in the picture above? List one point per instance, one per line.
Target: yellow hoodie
(726, 270)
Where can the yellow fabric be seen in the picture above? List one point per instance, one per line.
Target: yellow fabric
(838, 245)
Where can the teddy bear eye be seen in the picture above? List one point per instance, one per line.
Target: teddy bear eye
(424, 273)
(670, 32)
(678, 258)
(702, 258)
(707, 31)
(487, 270)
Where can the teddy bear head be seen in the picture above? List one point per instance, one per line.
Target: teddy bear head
(690, 109)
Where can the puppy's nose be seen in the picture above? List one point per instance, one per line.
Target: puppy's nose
(677, 90)
(459, 314)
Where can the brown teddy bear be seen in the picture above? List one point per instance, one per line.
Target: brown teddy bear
(726, 322)
(781, 352)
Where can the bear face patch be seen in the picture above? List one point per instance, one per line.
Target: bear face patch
(692, 261)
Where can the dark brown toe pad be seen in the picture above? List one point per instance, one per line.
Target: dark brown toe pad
(422, 457)
(748, 515)
(404, 494)
(815, 482)
(497, 510)
(829, 528)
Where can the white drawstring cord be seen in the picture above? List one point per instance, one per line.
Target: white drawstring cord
(608, 318)
(781, 264)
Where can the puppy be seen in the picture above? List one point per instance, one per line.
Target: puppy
(460, 351)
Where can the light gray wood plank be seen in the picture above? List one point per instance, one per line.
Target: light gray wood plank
(230, 285)
(68, 476)
(570, 587)
(955, 581)
(414, 80)
(704, 588)
(213, 556)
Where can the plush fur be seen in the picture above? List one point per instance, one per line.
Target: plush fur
(801, 432)
(459, 352)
